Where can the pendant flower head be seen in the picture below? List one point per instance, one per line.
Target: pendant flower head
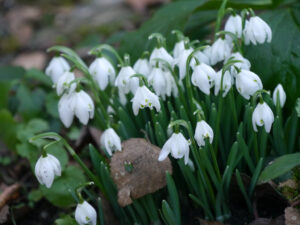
(247, 83)
(226, 85)
(178, 146)
(220, 50)
(110, 141)
(46, 168)
(202, 57)
(56, 68)
(142, 66)
(103, 72)
(144, 98)
(85, 214)
(262, 116)
(158, 81)
(203, 77)
(63, 83)
(203, 130)
(234, 25)
(243, 64)
(178, 48)
(125, 82)
(182, 61)
(257, 31)
(79, 104)
(281, 94)
(160, 53)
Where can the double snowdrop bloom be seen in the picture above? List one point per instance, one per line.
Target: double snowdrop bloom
(142, 66)
(220, 50)
(63, 83)
(85, 214)
(144, 98)
(243, 64)
(178, 48)
(203, 130)
(279, 91)
(103, 72)
(226, 84)
(46, 168)
(257, 31)
(234, 25)
(203, 77)
(57, 67)
(262, 116)
(79, 104)
(110, 141)
(178, 146)
(125, 82)
(247, 83)
(161, 53)
(182, 61)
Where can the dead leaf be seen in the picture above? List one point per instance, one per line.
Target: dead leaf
(9, 193)
(4, 212)
(266, 221)
(137, 171)
(292, 216)
(31, 60)
(141, 5)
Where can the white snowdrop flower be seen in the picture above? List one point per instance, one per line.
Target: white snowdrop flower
(182, 61)
(227, 82)
(178, 146)
(122, 97)
(247, 83)
(79, 104)
(56, 68)
(220, 50)
(207, 53)
(171, 88)
(85, 214)
(142, 66)
(161, 53)
(103, 72)
(144, 98)
(203, 130)
(234, 25)
(46, 168)
(110, 141)
(125, 82)
(262, 115)
(244, 64)
(202, 57)
(282, 96)
(257, 31)
(178, 48)
(63, 83)
(203, 77)
(158, 81)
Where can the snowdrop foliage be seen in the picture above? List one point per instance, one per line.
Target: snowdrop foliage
(203, 77)
(257, 31)
(279, 94)
(262, 116)
(110, 141)
(85, 214)
(203, 131)
(57, 67)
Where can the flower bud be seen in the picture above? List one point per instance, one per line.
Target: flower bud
(203, 130)
(262, 116)
(85, 214)
(110, 141)
(279, 91)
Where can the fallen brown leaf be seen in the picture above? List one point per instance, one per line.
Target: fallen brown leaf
(31, 60)
(4, 214)
(266, 221)
(292, 216)
(141, 5)
(9, 193)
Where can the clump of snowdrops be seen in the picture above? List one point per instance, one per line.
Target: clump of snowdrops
(201, 104)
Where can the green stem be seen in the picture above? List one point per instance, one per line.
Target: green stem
(221, 14)
(214, 158)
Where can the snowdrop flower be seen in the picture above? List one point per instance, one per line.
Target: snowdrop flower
(202, 57)
(160, 53)
(103, 72)
(262, 115)
(171, 84)
(85, 214)
(233, 25)
(220, 50)
(244, 64)
(158, 81)
(203, 130)
(125, 82)
(79, 104)
(257, 31)
(207, 53)
(203, 77)
(182, 61)
(110, 141)
(144, 98)
(282, 96)
(63, 83)
(46, 168)
(178, 146)
(142, 66)
(227, 82)
(178, 48)
(247, 83)
(56, 68)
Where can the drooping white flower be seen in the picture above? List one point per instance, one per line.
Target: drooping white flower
(207, 53)
(85, 214)
(125, 82)
(56, 68)
(262, 116)
(203, 77)
(202, 57)
(281, 94)
(142, 66)
(79, 104)
(160, 53)
(227, 82)
(178, 48)
(144, 98)
(247, 83)
(63, 83)
(203, 130)
(182, 61)
(234, 25)
(103, 72)
(171, 88)
(178, 146)
(220, 50)
(46, 168)
(110, 141)
(257, 31)
(243, 64)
